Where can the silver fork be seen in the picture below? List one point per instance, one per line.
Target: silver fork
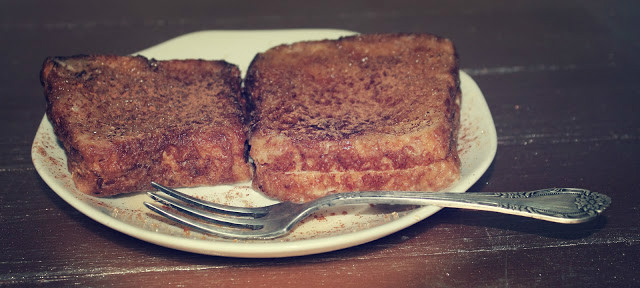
(562, 205)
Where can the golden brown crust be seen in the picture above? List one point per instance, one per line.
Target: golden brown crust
(347, 109)
(125, 121)
(308, 185)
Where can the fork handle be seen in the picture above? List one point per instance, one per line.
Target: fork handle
(562, 205)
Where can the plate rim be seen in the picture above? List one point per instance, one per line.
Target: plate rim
(271, 249)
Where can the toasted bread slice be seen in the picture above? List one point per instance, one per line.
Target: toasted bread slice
(366, 112)
(125, 121)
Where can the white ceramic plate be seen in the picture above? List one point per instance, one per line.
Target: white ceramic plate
(325, 231)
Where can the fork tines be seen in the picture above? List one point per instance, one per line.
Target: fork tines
(238, 217)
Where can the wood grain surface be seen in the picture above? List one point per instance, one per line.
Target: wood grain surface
(560, 78)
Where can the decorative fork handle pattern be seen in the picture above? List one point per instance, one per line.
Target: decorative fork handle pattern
(563, 205)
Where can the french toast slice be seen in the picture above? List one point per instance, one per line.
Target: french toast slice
(365, 112)
(126, 120)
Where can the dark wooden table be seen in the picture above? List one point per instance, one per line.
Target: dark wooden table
(561, 80)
